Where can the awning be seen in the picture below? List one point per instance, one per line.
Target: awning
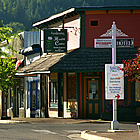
(41, 65)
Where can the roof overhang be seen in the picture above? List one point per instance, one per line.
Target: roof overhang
(31, 74)
(54, 17)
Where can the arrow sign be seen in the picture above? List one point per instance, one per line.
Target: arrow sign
(118, 96)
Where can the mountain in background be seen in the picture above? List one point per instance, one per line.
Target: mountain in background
(24, 12)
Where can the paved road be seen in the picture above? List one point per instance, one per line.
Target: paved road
(50, 131)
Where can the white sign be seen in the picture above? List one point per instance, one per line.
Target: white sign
(103, 43)
(120, 43)
(114, 81)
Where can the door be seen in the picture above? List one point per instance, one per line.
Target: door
(92, 98)
(33, 98)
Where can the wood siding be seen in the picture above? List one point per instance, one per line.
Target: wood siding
(73, 33)
(127, 23)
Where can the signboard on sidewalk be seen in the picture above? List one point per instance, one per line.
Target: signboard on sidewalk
(120, 43)
(114, 81)
(55, 41)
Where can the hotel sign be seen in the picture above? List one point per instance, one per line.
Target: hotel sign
(120, 43)
(55, 41)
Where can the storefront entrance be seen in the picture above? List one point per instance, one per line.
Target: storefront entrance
(34, 99)
(92, 97)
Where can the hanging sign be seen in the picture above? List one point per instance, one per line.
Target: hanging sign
(114, 81)
(55, 41)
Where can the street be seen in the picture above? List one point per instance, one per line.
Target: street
(38, 131)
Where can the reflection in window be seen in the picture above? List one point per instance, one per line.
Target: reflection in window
(54, 94)
(93, 90)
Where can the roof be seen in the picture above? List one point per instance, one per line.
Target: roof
(91, 59)
(79, 60)
(59, 17)
(41, 65)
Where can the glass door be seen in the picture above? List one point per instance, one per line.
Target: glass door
(92, 98)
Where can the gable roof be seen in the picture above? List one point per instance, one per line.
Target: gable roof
(59, 17)
(91, 59)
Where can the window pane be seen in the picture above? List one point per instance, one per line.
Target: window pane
(93, 89)
(94, 23)
(71, 87)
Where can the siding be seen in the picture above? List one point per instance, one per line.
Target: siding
(73, 33)
(127, 23)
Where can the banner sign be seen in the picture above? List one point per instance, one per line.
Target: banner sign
(114, 81)
(120, 43)
(55, 41)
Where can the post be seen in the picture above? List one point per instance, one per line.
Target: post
(114, 123)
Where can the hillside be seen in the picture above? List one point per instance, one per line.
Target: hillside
(28, 11)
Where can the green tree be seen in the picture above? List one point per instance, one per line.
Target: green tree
(7, 74)
(16, 26)
(7, 63)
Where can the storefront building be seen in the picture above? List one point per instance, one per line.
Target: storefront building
(75, 82)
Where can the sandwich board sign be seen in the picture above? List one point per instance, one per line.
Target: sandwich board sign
(114, 81)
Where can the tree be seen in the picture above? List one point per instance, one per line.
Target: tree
(16, 26)
(132, 67)
(7, 74)
(7, 63)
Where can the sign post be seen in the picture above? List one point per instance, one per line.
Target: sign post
(114, 84)
(114, 123)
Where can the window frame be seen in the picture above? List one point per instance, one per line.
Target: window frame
(72, 86)
(94, 20)
(96, 87)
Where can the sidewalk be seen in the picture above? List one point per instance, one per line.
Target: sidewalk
(87, 134)
(92, 135)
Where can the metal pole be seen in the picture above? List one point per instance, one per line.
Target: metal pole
(114, 123)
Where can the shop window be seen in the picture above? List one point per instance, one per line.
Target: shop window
(72, 87)
(93, 23)
(21, 98)
(11, 96)
(54, 94)
(137, 91)
(28, 96)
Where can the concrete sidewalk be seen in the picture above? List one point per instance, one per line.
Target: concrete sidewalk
(87, 134)
(104, 135)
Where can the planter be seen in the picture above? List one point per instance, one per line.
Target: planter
(107, 116)
(123, 114)
(126, 114)
(5, 118)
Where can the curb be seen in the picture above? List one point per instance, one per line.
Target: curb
(92, 137)
(10, 121)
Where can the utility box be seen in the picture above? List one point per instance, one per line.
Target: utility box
(21, 112)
